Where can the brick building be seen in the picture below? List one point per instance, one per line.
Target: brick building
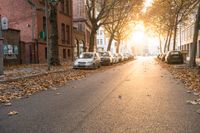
(12, 48)
(31, 23)
(81, 23)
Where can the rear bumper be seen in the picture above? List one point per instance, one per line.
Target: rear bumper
(174, 60)
(83, 66)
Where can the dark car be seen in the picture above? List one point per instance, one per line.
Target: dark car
(174, 57)
(106, 58)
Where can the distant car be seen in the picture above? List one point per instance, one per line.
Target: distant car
(174, 57)
(126, 57)
(121, 57)
(88, 60)
(131, 56)
(115, 58)
(106, 58)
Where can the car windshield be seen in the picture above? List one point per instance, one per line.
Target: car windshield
(104, 54)
(86, 56)
(175, 53)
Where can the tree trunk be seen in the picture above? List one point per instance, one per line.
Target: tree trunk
(175, 32)
(110, 42)
(160, 43)
(193, 51)
(54, 36)
(118, 45)
(169, 41)
(92, 40)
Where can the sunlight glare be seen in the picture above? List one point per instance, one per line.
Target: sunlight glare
(147, 4)
(138, 37)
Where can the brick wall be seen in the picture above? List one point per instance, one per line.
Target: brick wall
(20, 15)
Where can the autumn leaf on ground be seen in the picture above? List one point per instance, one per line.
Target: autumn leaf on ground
(198, 111)
(12, 113)
(7, 104)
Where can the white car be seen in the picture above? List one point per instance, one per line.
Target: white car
(88, 60)
(115, 58)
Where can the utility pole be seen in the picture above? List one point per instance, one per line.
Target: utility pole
(1, 48)
(47, 34)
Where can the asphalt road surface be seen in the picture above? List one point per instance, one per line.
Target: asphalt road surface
(136, 97)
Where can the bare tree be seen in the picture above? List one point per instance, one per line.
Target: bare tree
(98, 11)
(54, 60)
(121, 16)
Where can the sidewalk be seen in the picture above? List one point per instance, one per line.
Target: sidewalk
(197, 61)
(25, 80)
(12, 73)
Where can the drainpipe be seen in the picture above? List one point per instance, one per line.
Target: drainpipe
(1, 49)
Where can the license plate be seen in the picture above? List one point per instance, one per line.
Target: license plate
(176, 57)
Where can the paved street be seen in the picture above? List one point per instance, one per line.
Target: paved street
(136, 97)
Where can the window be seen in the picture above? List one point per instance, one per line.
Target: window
(64, 54)
(67, 5)
(63, 32)
(45, 51)
(68, 52)
(62, 6)
(67, 34)
(101, 41)
(80, 27)
(101, 32)
(44, 26)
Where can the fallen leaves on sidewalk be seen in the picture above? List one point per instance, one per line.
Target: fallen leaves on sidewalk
(28, 86)
(188, 76)
(193, 102)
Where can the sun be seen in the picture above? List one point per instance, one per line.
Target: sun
(138, 35)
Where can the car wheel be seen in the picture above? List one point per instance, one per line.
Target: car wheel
(99, 65)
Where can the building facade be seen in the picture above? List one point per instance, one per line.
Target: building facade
(32, 24)
(185, 39)
(101, 40)
(185, 36)
(82, 23)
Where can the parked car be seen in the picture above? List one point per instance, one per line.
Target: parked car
(174, 57)
(131, 56)
(106, 58)
(88, 60)
(126, 57)
(121, 57)
(115, 58)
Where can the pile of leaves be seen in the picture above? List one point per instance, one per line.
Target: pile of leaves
(189, 76)
(28, 86)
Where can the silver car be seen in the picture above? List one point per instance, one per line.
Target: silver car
(88, 60)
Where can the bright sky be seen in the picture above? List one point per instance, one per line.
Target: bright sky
(147, 4)
(140, 37)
